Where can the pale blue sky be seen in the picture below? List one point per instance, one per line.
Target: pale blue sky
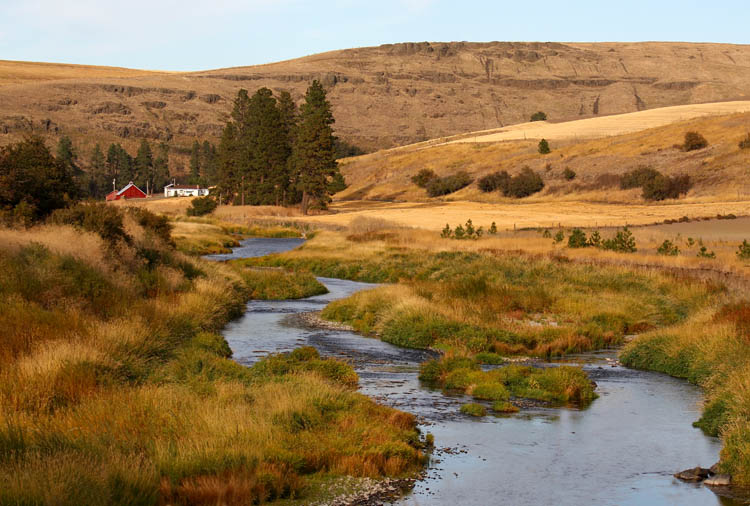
(195, 35)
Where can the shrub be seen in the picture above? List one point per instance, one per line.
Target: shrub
(694, 141)
(493, 229)
(655, 185)
(577, 239)
(99, 218)
(559, 236)
(745, 143)
(664, 187)
(157, 224)
(743, 253)
(636, 178)
(473, 409)
(494, 181)
(524, 184)
(623, 242)
(202, 206)
(569, 174)
(448, 184)
(668, 248)
(539, 116)
(595, 240)
(544, 147)
(704, 253)
(423, 177)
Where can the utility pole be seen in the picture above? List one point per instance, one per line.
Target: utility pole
(243, 189)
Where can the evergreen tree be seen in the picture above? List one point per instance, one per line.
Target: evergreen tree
(120, 166)
(268, 149)
(97, 186)
(228, 178)
(67, 155)
(544, 147)
(209, 162)
(161, 167)
(30, 177)
(253, 155)
(144, 167)
(313, 153)
(195, 163)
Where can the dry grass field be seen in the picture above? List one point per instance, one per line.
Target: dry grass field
(22, 72)
(382, 97)
(719, 172)
(507, 216)
(596, 128)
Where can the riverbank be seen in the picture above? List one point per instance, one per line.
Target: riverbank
(710, 349)
(448, 300)
(116, 388)
(603, 442)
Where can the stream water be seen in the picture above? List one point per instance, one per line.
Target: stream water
(621, 450)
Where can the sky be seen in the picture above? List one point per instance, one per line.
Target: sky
(201, 35)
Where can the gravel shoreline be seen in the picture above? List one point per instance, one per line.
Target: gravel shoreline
(313, 320)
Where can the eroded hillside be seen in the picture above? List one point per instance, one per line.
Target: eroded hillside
(382, 96)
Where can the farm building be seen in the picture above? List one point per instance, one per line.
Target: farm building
(131, 191)
(178, 190)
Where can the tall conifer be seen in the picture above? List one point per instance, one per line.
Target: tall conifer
(313, 153)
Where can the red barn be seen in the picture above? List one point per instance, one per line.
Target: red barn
(131, 191)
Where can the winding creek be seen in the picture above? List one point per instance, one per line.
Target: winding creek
(622, 450)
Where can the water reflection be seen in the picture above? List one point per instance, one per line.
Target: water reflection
(622, 450)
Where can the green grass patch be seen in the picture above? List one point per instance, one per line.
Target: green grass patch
(473, 409)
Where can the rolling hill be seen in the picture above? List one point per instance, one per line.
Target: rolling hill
(383, 96)
(719, 172)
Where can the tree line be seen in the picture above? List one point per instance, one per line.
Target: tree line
(272, 154)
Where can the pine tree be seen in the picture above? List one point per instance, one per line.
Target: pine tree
(30, 177)
(120, 166)
(209, 163)
(544, 147)
(161, 167)
(313, 153)
(144, 166)
(195, 163)
(228, 178)
(269, 149)
(98, 173)
(66, 154)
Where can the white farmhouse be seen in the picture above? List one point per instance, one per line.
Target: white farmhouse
(178, 190)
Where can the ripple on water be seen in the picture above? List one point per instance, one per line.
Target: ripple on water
(623, 449)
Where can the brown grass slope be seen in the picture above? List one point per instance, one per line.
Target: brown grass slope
(382, 96)
(719, 172)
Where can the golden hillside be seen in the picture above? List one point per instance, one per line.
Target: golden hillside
(719, 172)
(382, 96)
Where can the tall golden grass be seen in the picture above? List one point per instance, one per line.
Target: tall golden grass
(116, 389)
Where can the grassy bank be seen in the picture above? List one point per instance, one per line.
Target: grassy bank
(554, 385)
(710, 349)
(491, 301)
(278, 284)
(116, 388)
(206, 236)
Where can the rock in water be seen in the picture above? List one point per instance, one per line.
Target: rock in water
(695, 474)
(720, 480)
